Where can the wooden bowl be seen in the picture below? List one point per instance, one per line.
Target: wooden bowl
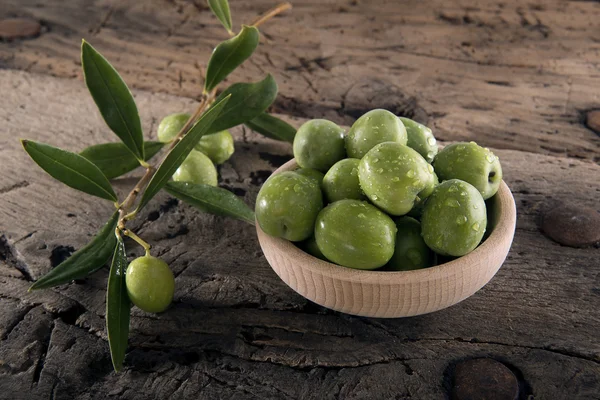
(393, 294)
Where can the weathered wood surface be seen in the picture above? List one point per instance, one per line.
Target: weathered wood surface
(235, 329)
(507, 76)
(512, 74)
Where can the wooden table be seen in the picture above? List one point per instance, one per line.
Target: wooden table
(520, 77)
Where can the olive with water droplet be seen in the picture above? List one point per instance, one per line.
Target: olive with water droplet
(397, 187)
(287, 206)
(341, 181)
(217, 146)
(425, 193)
(197, 168)
(351, 240)
(311, 173)
(453, 227)
(170, 126)
(319, 144)
(471, 163)
(410, 251)
(376, 126)
(420, 139)
(417, 209)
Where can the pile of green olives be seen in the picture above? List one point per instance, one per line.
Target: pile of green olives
(380, 196)
(211, 150)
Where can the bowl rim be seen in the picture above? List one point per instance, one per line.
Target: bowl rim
(505, 226)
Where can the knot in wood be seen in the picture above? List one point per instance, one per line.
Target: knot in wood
(572, 225)
(592, 120)
(15, 28)
(484, 379)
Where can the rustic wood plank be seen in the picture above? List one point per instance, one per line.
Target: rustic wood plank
(235, 330)
(510, 75)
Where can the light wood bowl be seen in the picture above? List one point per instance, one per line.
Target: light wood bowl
(394, 294)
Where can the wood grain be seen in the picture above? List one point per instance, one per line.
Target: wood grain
(508, 74)
(235, 329)
(517, 76)
(387, 294)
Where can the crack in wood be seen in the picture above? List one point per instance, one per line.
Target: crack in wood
(37, 372)
(15, 186)
(25, 237)
(222, 366)
(13, 259)
(54, 388)
(103, 22)
(404, 339)
(19, 318)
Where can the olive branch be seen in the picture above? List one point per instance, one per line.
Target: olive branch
(90, 170)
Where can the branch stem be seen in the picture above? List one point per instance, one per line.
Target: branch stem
(150, 170)
(271, 13)
(130, 199)
(189, 122)
(138, 239)
(206, 100)
(127, 205)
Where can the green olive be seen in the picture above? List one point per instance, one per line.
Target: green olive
(197, 168)
(355, 234)
(319, 144)
(341, 181)
(420, 139)
(417, 209)
(217, 146)
(287, 206)
(454, 218)
(310, 246)
(150, 284)
(410, 252)
(425, 193)
(471, 163)
(376, 126)
(170, 126)
(311, 173)
(393, 176)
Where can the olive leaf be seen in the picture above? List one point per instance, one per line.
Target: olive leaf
(229, 55)
(181, 150)
(115, 159)
(221, 10)
(248, 100)
(113, 98)
(272, 127)
(84, 261)
(213, 200)
(70, 168)
(118, 307)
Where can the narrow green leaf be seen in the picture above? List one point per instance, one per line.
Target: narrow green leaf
(272, 127)
(115, 159)
(248, 101)
(113, 98)
(229, 55)
(70, 168)
(84, 261)
(221, 10)
(181, 151)
(213, 200)
(118, 307)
